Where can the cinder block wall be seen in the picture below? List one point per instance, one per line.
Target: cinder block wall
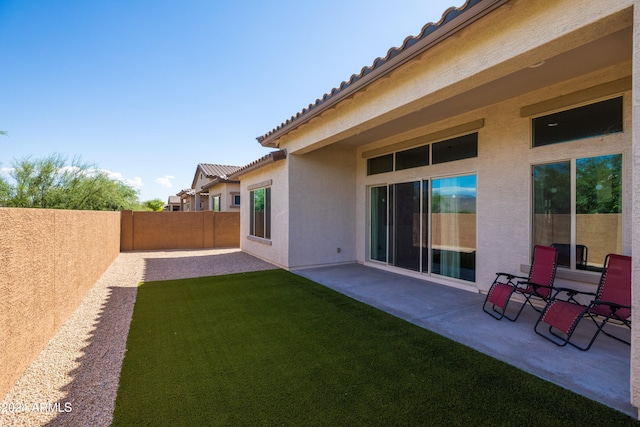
(144, 231)
(49, 261)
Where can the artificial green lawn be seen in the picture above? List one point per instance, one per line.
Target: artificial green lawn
(273, 348)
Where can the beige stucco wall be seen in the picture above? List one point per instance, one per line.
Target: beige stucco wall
(50, 259)
(322, 207)
(276, 249)
(635, 337)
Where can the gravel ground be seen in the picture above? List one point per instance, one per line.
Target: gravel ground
(74, 380)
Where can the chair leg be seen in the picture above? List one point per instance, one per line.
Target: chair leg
(562, 340)
(601, 325)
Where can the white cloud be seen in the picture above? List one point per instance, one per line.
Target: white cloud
(165, 181)
(135, 182)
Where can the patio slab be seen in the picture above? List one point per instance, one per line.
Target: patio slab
(601, 374)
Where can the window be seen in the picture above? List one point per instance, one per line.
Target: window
(596, 119)
(412, 158)
(462, 147)
(582, 220)
(380, 164)
(216, 204)
(236, 199)
(260, 213)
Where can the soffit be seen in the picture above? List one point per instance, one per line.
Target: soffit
(599, 54)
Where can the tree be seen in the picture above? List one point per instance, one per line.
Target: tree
(155, 205)
(50, 183)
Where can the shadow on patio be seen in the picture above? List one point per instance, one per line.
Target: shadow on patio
(601, 374)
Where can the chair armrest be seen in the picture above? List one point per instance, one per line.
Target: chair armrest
(571, 293)
(535, 285)
(510, 276)
(614, 305)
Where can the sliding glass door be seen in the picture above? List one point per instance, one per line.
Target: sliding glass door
(405, 232)
(453, 219)
(379, 211)
(413, 226)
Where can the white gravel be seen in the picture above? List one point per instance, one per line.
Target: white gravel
(74, 380)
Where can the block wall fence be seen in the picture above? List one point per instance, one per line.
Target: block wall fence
(50, 259)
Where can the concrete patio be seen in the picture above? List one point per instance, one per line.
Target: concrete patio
(601, 374)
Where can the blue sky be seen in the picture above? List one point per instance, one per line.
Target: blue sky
(147, 89)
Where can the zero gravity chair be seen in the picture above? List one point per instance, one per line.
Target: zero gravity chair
(611, 304)
(537, 286)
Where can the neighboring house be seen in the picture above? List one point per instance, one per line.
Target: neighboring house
(187, 199)
(505, 125)
(212, 190)
(224, 194)
(173, 204)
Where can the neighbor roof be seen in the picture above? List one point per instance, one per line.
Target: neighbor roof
(453, 20)
(211, 170)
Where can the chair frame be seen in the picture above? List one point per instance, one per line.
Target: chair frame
(523, 286)
(600, 320)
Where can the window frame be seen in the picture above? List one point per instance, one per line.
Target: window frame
(573, 108)
(573, 211)
(374, 162)
(266, 220)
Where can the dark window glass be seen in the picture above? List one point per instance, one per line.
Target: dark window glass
(380, 164)
(412, 158)
(462, 147)
(596, 119)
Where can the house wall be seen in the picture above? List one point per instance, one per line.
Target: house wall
(635, 332)
(201, 202)
(322, 207)
(276, 249)
(50, 260)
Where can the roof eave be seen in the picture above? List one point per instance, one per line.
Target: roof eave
(445, 31)
(272, 157)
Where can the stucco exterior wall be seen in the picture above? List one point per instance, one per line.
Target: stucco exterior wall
(322, 197)
(142, 231)
(635, 312)
(276, 249)
(50, 259)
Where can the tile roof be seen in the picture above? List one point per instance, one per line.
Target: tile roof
(395, 56)
(212, 171)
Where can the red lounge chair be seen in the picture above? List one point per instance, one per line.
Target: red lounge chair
(612, 303)
(538, 285)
